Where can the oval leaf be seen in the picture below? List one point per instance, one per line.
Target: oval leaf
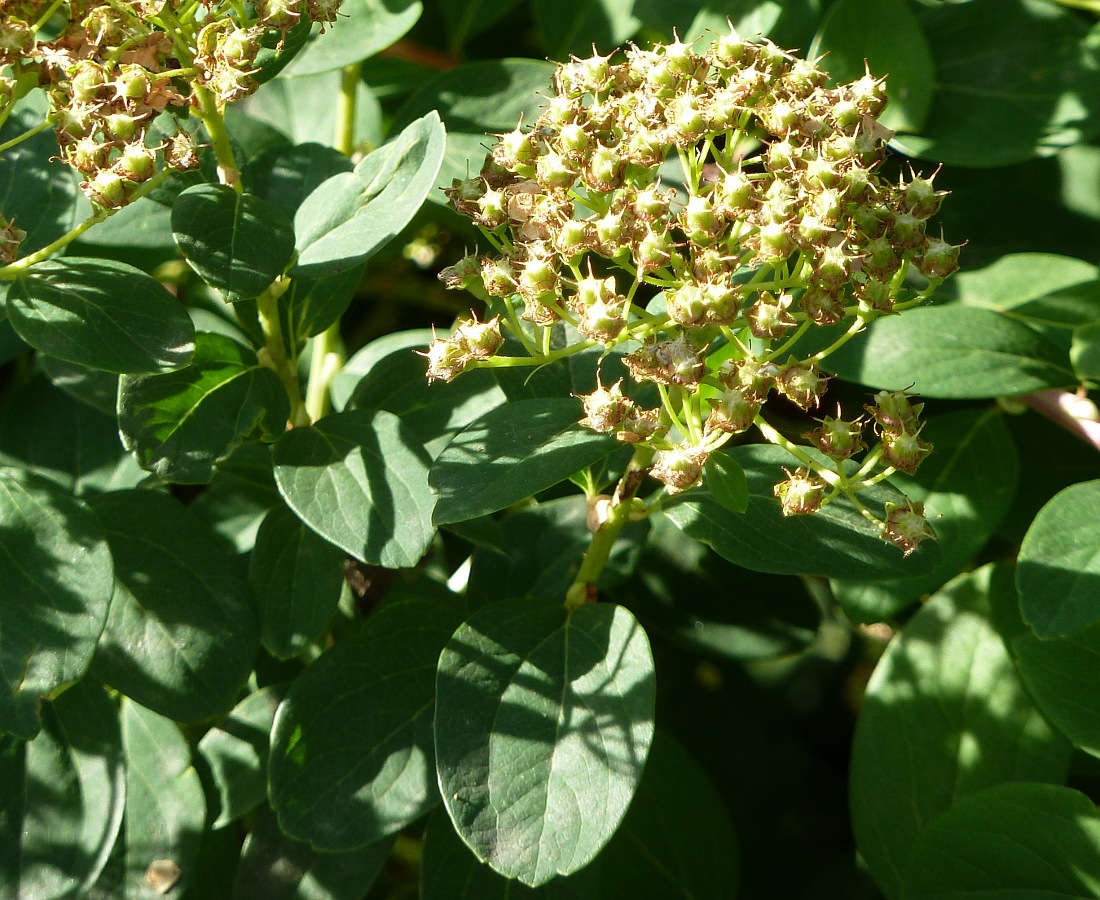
(511, 453)
(955, 352)
(362, 28)
(165, 806)
(1058, 573)
(1013, 841)
(236, 752)
(57, 575)
(542, 728)
(360, 480)
(945, 715)
(836, 542)
(238, 243)
(372, 731)
(350, 216)
(297, 577)
(101, 314)
(575, 26)
(182, 423)
(187, 660)
(726, 481)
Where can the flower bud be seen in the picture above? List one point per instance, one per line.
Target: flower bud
(605, 170)
(673, 362)
(136, 163)
(894, 413)
(654, 251)
(555, 170)
(938, 259)
(801, 494)
(107, 189)
(906, 525)
(498, 277)
(802, 383)
(679, 468)
(768, 317)
(837, 438)
(733, 412)
(605, 408)
(463, 274)
(479, 339)
(516, 152)
(904, 450)
(823, 307)
(446, 360)
(10, 239)
(753, 378)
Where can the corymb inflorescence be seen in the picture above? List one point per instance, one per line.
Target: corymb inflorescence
(700, 213)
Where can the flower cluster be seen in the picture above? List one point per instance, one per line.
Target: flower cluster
(114, 68)
(705, 278)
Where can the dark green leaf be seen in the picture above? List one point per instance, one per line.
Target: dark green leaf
(362, 28)
(238, 243)
(236, 751)
(511, 453)
(966, 485)
(953, 352)
(359, 479)
(466, 18)
(881, 36)
(182, 634)
(573, 26)
(303, 110)
(543, 724)
(101, 314)
(182, 423)
(351, 750)
(144, 226)
(476, 99)
(165, 807)
(46, 431)
(312, 305)
(1085, 352)
(351, 215)
(277, 867)
(1058, 573)
(278, 48)
(1012, 842)
(945, 715)
(540, 550)
(285, 176)
(1014, 79)
(726, 481)
(836, 542)
(57, 575)
(46, 204)
(70, 778)
(1063, 677)
(683, 590)
(94, 388)
(297, 577)
(239, 496)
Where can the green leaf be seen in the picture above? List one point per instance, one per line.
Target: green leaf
(1012, 842)
(1035, 288)
(45, 205)
(182, 423)
(573, 26)
(277, 867)
(511, 453)
(945, 716)
(303, 110)
(684, 591)
(540, 551)
(96, 389)
(474, 100)
(278, 48)
(297, 577)
(239, 496)
(57, 575)
(187, 660)
(543, 724)
(362, 28)
(954, 352)
(312, 305)
(44, 430)
(726, 481)
(351, 750)
(165, 807)
(966, 485)
(236, 752)
(882, 36)
(388, 374)
(71, 790)
(467, 18)
(238, 243)
(1058, 573)
(353, 214)
(1062, 676)
(1084, 353)
(658, 853)
(1014, 79)
(835, 542)
(101, 314)
(359, 479)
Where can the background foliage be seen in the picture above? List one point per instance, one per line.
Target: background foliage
(238, 661)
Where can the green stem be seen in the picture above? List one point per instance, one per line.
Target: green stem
(345, 110)
(26, 135)
(618, 511)
(273, 353)
(214, 120)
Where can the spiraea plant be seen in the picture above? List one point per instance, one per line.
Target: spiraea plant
(703, 214)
